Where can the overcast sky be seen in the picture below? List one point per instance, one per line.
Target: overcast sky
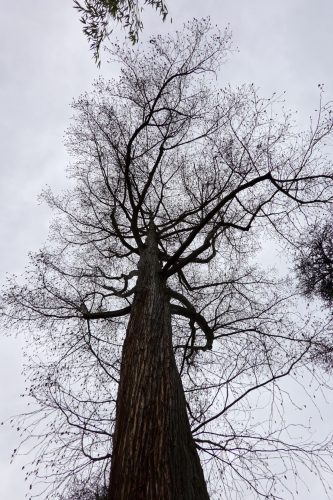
(45, 61)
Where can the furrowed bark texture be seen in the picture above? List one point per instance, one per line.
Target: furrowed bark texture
(154, 455)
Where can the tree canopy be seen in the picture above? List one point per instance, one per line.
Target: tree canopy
(174, 184)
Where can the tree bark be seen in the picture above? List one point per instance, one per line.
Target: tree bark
(154, 455)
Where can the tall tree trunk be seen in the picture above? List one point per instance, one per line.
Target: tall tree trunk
(154, 455)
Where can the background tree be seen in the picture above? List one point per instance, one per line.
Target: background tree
(97, 17)
(174, 183)
(82, 491)
(314, 270)
(315, 262)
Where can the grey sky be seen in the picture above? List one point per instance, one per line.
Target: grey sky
(44, 62)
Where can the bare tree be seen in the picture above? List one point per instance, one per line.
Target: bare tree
(174, 183)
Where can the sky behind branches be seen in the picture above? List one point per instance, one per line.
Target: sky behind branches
(44, 62)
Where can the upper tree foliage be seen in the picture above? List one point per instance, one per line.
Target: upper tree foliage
(97, 17)
(213, 171)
